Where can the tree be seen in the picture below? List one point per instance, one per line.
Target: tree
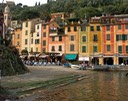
(36, 4)
(39, 4)
(29, 14)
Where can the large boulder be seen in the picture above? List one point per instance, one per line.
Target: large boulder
(10, 62)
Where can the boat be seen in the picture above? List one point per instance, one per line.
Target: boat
(75, 66)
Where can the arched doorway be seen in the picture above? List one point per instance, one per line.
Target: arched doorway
(108, 61)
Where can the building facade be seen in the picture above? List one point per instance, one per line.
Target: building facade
(72, 39)
(95, 41)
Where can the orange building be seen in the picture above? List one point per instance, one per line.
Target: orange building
(115, 39)
(108, 36)
(44, 37)
(72, 38)
(121, 36)
(56, 39)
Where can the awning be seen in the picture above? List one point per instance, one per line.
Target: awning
(70, 56)
(23, 56)
(43, 56)
(83, 58)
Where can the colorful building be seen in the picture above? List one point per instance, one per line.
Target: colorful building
(17, 38)
(121, 36)
(72, 38)
(56, 39)
(84, 41)
(28, 30)
(109, 41)
(95, 41)
(45, 37)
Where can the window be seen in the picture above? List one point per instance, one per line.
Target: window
(92, 28)
(72, 37)
(44, 34)
(53, 48)
(75, 28)
(26, 32)
(98, 28)
(26, 24)
(83, 49)
(31, 49)
(72, 47)
(38, 26)
(31, 41)
(108, 37)
(36, 49)
(118, 37)
(126, 26)
(108, 27)
(83, 28)
(95, 37)
(126, 49)
(108, 48)
(18, 36)
(26, 41)
(120, 49)
(83, 38)
(94, 48)
(37, 34)
(60, 48)
(31, 34)
(44, 26)
(37, 41)
(53, 39)
(119, 27)
(18, 43)
(69, 29)
(60, 38)
(44, 43)
(124, 37)
(5, 17)
(8, 17)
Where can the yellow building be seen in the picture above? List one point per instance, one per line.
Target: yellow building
(28, 32)
(84, 42)
(95, 41)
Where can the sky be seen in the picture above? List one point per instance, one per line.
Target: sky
(28, 2)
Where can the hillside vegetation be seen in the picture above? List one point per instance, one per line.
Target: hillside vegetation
(80, 8)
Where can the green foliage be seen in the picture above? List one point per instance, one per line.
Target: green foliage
(79, 7)
(29, 14)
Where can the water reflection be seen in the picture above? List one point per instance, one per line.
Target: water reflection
(101, 86)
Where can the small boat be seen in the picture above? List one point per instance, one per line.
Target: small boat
(75, 66)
